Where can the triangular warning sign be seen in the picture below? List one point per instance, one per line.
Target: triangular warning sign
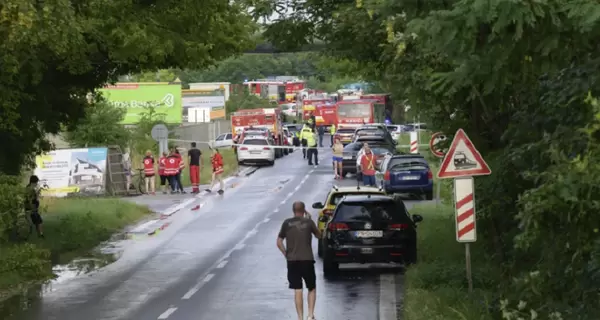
(463, 160)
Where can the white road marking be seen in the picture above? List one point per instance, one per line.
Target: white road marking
(275, 211)
(222, 264)
(297, 188)
(387, 297)
(198, 286)
(266, 220)
(282, 202)
(167, 313)
(239, 246)
(143, 226)
(251, 233)
(289, 195)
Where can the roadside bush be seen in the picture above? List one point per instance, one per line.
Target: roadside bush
(436, 287)
(11, 204)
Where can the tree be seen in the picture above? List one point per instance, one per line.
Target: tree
(514, 75)
(244, 100)
(99, 127)
(53, 54)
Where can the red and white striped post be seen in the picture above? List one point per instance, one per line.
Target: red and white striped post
(414, 142)
(466, 232)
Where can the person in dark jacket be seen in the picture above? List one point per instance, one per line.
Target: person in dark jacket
(321, 131)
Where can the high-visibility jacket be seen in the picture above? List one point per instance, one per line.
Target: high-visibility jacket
(367, 164)
(148, 166)
(172, 165)
(217, 163)
(181, 162)
(310, 140)
(305, 133)
(310, 121)
(332, 129)
(162, 161)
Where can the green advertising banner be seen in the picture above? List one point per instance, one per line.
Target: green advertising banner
(138, 97)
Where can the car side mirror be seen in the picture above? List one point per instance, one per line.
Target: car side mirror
(318, 205)
(417, 218)
(323, 219)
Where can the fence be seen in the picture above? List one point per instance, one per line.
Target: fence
(203, 131)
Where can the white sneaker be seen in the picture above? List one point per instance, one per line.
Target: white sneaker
(311, 318)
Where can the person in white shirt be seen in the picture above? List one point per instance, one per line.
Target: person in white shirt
(361, 152)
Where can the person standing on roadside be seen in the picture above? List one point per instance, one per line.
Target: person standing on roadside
(332, 133)
(32, 204)
(367, 167)
(171, 170)
(338, 157)
(312, 151)
(297, 233)
(321, 131)
(162, 164)
(181, 167)
(149, 173)
(195, 161)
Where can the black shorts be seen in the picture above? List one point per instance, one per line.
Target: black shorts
(163, 180)
(36, 218)
(298, 270)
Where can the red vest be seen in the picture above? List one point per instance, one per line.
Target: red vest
(367, 164)
(181, 162)
(161, 165)
(217, 163)
(171, 165)
(149, 166)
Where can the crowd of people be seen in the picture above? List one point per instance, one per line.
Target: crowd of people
(170, 166)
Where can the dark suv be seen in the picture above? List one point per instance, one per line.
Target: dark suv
(369, 229)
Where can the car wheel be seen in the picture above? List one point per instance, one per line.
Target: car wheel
(271, 163)
(285, 152)
(320, 248)
(411, 257)
(240, 163)
(330, 267)
(429, 195)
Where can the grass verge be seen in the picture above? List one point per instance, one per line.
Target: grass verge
(230, 166)
(73, 227)
(436, 287)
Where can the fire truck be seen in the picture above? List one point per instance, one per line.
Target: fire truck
(264, 118)
(276, 90)
(325, 113)
(357, 112)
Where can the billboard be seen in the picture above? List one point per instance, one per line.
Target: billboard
(69, 171)
(136, 98)
(212, 100)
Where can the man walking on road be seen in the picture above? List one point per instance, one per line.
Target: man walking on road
(297, 232)
(321, 131)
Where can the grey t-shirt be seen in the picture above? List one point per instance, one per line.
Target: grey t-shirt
(297, 232)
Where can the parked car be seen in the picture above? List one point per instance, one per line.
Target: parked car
(395, 130)
(336, 194)
(256, 150)
(345, 135)
(369, 229)
(370, 130)
(408, 173)
(350, 156)
(224, 140)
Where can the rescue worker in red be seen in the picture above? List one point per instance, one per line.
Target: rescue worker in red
(162, 163)
(149, 172)
(172, 169)
(217, 166)
(195, 161)
(367, 167)
(181, 167)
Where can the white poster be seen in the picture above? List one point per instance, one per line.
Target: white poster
(69, 171)
(203, 101)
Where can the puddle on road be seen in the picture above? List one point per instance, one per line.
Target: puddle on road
(14, 307)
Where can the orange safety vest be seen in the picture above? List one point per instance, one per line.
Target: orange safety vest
(367, 164)
(148, 166)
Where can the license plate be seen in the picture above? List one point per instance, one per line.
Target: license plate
(411, 178)
(348, 157)
(255, 152)
(369, 234)
(366, 250)
(86, 178)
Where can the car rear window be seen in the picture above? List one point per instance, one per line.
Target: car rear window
(392, 128)
(376, 211)
(407, 163)
(380, 151)
(370, 132)
(256, 142)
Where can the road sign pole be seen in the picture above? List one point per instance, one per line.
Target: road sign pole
(438, 192)
(468, 265)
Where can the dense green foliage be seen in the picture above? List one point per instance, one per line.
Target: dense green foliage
(100, 127)
(53, 53)
(515, 75)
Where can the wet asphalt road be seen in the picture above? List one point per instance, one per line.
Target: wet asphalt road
(221, 262)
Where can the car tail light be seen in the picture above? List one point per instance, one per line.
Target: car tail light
(429, 175)
(398, 226)
(327, 212)
(337, 226)
(266, 148)
(243, 148)
(386, 176)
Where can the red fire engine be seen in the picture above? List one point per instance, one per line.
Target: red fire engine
(265, 118)
(280, 91)
(357, 112)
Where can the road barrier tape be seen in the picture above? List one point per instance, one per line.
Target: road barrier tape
(211, 144)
